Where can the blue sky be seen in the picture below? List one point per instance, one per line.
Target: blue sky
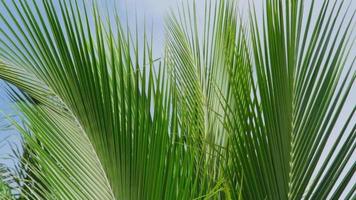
(154, 12)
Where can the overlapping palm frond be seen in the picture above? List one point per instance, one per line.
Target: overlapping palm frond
(232, 110)
(282, 101)
(296, 99)
(200, 64)
(104, 126)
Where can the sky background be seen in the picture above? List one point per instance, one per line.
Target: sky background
(154, 12)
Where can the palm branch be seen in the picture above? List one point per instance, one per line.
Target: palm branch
(232, 110)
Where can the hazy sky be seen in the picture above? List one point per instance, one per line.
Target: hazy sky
(154, 12)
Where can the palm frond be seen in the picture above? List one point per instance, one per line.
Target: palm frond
(297, 98)
(101, 107)
(232, 110)
(200, 64)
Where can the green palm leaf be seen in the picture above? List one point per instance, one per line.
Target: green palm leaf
(103, 113)
(231, 111)
(295, 104)
(280, 106)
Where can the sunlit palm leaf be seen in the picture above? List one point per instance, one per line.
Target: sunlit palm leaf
(232, 111)
(90, 86)
(200, 64)
(297, 102)
(277, 131)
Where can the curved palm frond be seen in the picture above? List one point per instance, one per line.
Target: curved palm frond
(232, 111)
(103, 114)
